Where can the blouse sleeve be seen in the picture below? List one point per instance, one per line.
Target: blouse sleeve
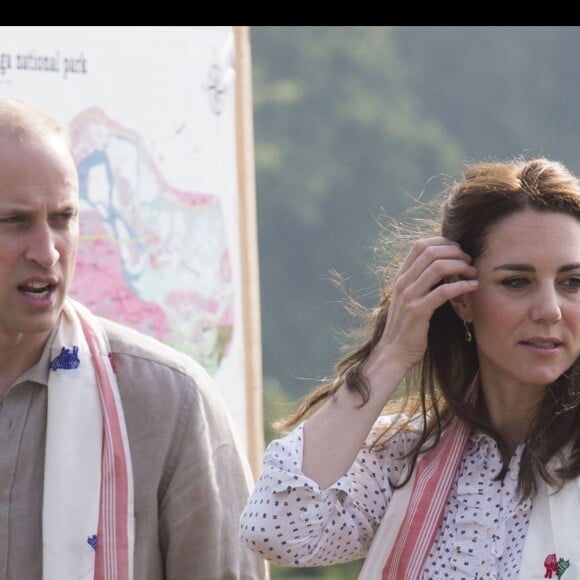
(290, 520)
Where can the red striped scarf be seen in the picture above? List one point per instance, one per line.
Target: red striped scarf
(112, 554)
(88, 519)
(435, 474)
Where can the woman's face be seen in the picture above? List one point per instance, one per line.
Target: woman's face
(526, 311)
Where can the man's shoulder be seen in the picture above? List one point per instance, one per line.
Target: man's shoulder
(143, 349)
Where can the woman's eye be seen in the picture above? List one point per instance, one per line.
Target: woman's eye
(572, 283)
(515, 282)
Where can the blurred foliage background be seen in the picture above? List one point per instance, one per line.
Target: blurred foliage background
(354, 123)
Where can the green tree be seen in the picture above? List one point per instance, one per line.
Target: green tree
(354, 122)
(338, 142)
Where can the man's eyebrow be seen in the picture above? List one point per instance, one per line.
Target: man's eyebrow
(13, 211)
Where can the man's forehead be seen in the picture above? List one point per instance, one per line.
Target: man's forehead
(37, 140)
(19, 116)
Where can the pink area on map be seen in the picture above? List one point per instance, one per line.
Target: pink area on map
(135, 227)
(101, 285)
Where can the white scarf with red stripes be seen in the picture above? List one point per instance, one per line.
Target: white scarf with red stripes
(88, 520)
(408, 529)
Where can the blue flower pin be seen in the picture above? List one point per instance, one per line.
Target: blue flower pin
(67, 359)
(92, 541)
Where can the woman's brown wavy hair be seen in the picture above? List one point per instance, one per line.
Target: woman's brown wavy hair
(466, 212)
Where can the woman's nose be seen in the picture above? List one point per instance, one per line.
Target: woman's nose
(546, 306)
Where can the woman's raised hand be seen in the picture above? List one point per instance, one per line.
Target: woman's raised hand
(436, 270)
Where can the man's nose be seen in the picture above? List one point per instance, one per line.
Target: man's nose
(41, 246)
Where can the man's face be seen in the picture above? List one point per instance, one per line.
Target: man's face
(38, 233)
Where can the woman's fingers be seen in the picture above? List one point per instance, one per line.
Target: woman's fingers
(435, 271)
(435, 283)
(428, 252)
(428, 248)
(431, 263)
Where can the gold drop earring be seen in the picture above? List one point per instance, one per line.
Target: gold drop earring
(468, 335)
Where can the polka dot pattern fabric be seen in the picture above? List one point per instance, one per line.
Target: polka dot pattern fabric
(291, 521)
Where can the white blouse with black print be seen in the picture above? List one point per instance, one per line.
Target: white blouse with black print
(291, 521)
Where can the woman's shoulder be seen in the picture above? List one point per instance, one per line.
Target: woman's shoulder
(395, 431)
(402, 423)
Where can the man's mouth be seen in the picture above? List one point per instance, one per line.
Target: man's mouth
(36, 289)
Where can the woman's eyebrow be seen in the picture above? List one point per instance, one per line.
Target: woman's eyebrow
(517, 267)
(527, 268)
(569, 267)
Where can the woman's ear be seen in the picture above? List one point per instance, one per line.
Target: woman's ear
(460, 304)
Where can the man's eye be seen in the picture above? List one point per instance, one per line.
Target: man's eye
(63, 218)
(12, 219)
(66, 216)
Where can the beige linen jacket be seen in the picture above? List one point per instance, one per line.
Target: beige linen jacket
(190, 481)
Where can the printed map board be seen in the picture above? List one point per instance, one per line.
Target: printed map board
(153, 115)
